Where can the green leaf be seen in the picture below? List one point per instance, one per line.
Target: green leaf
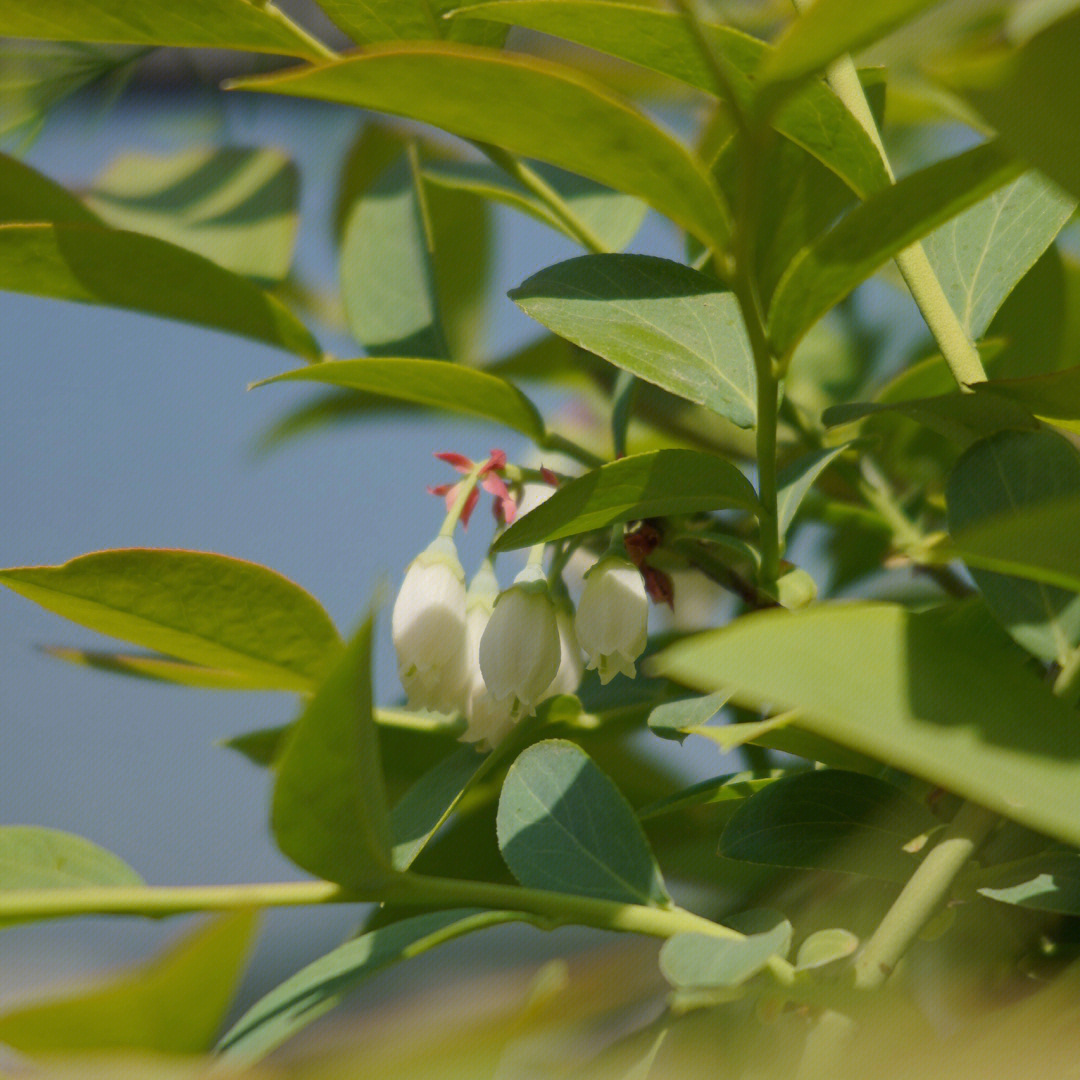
(1006, 476)
(676, 719)
(824, 33)
(658, 319)
(173, 1005)
(701, 961)
(387, 272)
(726, 793)
(825, 947)
(236, 207)
(37, 858)
(403, 20)
(430, 801)
(612, 217)
(97, 265)
(655, 484)
(1049, 881)
(1031, 96)
(329, 812)
(982, 253)
(1053, 397)
(528, 106)
(833, 265)
(433, 383)
(797, 477)
(830, 820)
(660, 40)
(564, 826)
(936, 694)
(319, 987)
(31, 196)
(205, 609)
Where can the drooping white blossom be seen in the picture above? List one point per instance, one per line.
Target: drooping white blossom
(520, 647)
(428, 627)
(571, 662)
(612, 617)
(489, 720)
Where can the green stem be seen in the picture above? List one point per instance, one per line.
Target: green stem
(923, 894)
(622, 405)
(562, 445)
(953, 340)
(465, 489)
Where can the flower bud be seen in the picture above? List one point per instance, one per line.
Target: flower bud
(428, 627)
(520, 647)
(489, 721)
(571, 662)
(612, 617)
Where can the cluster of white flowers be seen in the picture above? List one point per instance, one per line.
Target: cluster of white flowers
(494, 656)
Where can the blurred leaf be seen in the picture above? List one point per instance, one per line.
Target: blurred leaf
(676, 719)
(1031, 96)
(202, 608)
(434, 383)
(402, 20)
(936, 694)
(726, 792)
(330, 814)
(1053, 397)
(824, 33)
(430, 801)
(640, 486)
(122, 269)
(319, 987)
(36, 858)
(174, 1004)
(658, 319)
(564, 826)
(220, 24)
(982, 253)
(613, 217)
(832, 266)
(1006, 476)
(236, 207)
(32, 196)
(528, 106)
(830, 820)
(797, 477)
(698, 961)
(1046, 882)
(825, 947)
(659, 39)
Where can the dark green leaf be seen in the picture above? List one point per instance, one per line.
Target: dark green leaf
(1046, 882)
(31, 196)
(675, 719)
(434, 383)
(564, 826)
(1006, 476)
(1031, 96)
(319, 987)
(982, 253)
(1053, 397)
(727, 792)
(658, 319)
(660, 40)
(825, 32)
(205, 609)
(330, 814)
(429, 802)
(832, 266)
(37, 858)
(528, 106)
(612, 217)
(640, 486)
(221, 24)
(236, 207)
(796, 478)
(96, 265)
(701, 961)
(173, 1005)
(830, 820)
(934, 693)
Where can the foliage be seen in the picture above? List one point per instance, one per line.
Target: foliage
(898, 661)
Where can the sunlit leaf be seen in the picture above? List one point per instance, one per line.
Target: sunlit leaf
(1049, 881)
(698, 961)
(35, 858)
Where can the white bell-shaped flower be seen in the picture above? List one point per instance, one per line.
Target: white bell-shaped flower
(612, 617)
(428, 627)
(489, 721)
(571, 661)
(520, 647)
